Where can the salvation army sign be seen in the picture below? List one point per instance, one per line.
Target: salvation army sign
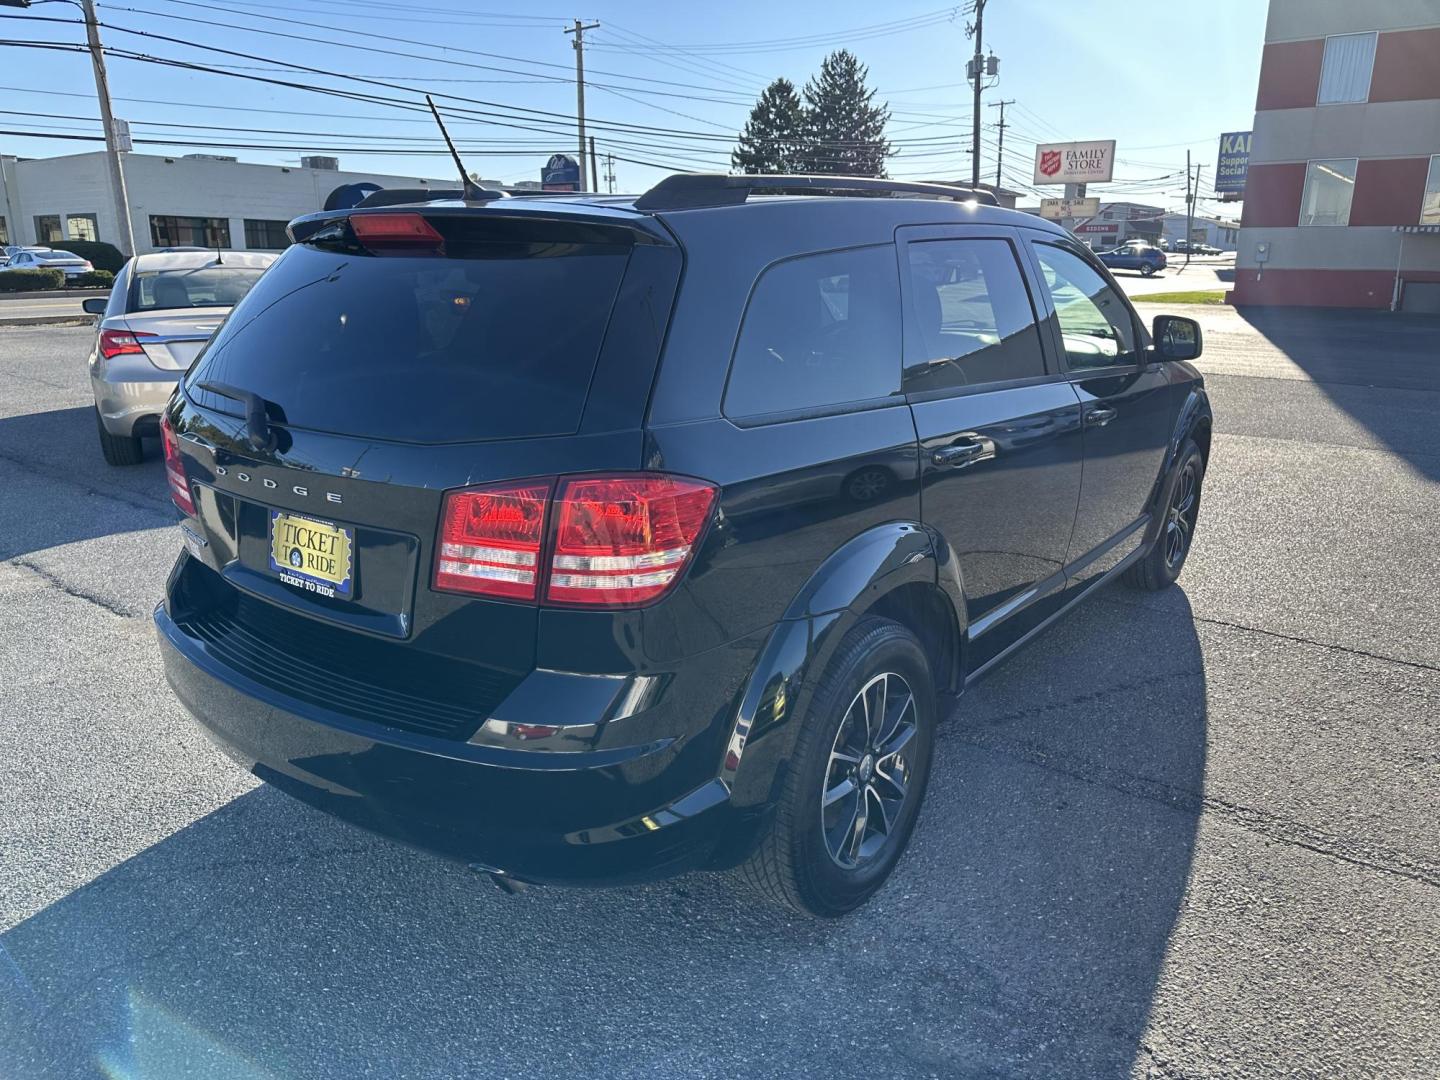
(1075, 162)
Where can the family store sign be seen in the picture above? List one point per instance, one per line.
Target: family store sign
(1075, 162)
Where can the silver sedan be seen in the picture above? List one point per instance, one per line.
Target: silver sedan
(162, 310)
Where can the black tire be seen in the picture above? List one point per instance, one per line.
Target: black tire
(118, 449)
(1146, 269)
(1162, 564)
(794, 864)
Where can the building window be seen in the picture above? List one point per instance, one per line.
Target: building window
(1430, 205)
(207, 232)
(47, 229)
(82, 227)
(1345, 71)
(263, 235)
(1329, 186)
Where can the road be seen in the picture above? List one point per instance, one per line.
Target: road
(1186, 835)
(1207, 272)
(38, 307)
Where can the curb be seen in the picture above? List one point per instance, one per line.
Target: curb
(53, 294)
(49, 320)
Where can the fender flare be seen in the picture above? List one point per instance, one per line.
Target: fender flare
(857, 575)
(1194, 412)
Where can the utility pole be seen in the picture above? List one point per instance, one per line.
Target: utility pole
(112, 148)
(594, 167)
(1000, 150)
(977, 72)
(610, 173)
(579, 44)
(1189, 211)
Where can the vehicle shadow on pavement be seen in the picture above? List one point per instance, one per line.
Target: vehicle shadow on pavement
(1023, 934)
(1354, 357)
(55, 488)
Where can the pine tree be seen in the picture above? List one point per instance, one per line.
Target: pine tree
(771, 141)
(844, 131)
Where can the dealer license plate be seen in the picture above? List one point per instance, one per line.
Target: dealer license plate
(313, 555)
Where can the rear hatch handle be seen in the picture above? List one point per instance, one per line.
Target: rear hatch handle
(257, 422)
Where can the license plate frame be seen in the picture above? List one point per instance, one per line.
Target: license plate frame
(325, 569)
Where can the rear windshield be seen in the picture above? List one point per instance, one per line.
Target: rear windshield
(498, 343)
(205, 286)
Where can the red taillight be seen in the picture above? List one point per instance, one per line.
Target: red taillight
(622, 540)
(175, 468)
(399, 234)
(121, 342)
(617, 541)
(490, 540)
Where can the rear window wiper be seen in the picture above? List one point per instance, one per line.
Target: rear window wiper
(257, 420)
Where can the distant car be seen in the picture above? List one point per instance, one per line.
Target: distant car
(67, 262)
(1143, 257)
(161, 311)
(1205, 249)
(1163, 244)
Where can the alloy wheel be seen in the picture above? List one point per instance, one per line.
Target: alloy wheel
(1180, 520)
(867, 780)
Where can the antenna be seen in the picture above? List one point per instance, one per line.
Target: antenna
(470, 189)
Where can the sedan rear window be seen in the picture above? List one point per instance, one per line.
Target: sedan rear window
(205, 286)
(500, 342)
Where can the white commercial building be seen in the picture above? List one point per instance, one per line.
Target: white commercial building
(187, 200)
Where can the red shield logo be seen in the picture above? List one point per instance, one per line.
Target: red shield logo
(1049, 162)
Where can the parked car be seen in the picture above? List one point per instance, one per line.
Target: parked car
(1205, 249)
(1143, 257)
(687, 577)
(162, 309)
(70, 264)
(1182, 247)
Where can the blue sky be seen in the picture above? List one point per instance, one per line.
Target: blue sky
(669, 83)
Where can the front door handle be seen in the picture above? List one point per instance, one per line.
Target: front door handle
(964, 451)
(1100, 415)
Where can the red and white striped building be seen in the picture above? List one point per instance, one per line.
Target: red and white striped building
(1342, 198)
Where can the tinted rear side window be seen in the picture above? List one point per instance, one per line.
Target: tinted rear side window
(500, 342)
(820, 330)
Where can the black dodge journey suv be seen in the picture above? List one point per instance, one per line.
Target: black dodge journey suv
(592, 539)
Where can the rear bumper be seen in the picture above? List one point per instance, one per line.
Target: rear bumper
(573, 817)
(130, 390)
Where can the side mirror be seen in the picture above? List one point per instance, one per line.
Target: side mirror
(1176, 337)
(94, 305)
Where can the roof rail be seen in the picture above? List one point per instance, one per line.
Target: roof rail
(690, 191)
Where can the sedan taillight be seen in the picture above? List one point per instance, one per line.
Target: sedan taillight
(617, 541)
(175, 468)
(115, 343)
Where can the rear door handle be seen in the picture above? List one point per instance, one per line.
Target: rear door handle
(1100, 415)
(961, 453)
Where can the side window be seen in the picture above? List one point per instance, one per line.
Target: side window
(820, 330)
(971, 320)
(1095, 322)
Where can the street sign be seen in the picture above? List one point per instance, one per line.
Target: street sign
(561, 173)
(1059, 209)
(1075, 162)
(1233, 163)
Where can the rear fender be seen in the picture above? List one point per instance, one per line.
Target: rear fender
(849, 583)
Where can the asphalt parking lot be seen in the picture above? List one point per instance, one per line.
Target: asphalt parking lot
(1191, 834)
